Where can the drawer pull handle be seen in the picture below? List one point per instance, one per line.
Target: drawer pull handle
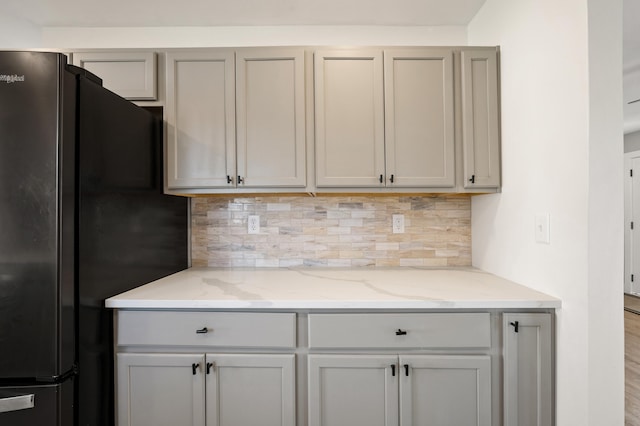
(401, 333)
(194, 368)
(209, 365)
(406, 370)
(203, 330)
(393, 370)
(515, 326)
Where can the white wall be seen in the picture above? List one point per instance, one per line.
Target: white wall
(17, 33)
(251, 36)
(562, 154)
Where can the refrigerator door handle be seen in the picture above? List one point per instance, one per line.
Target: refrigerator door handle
(16, 402)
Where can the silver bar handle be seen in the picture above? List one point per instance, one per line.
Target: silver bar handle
(16, 402)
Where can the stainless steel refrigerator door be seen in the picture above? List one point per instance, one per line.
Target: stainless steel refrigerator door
(36, 219)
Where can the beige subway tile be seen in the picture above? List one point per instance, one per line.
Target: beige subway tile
(268, 263)
(388, 246)
(338, 230)
(336, 263)
(435, 261)
(411, 262)
(387, 262)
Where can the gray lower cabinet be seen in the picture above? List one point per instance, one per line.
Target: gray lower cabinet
(214, 368)
(206, 389)
(528, 369)
(442, 390)
(205, 368)
(353, 390)
(431, 368)
(160, 389)
(387, 390)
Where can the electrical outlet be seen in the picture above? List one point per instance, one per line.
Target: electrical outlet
(253, 224)
(398, 223)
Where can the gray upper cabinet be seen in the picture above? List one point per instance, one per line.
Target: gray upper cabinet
(419, 120)
(480, 118)
(235, 119)
(200, 115)
(270, 90)
(269, 119)
(132, 75)
(387, 119)
(349, 112)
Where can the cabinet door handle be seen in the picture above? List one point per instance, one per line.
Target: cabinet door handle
(240, 179)
(194, 368)
(401, 333)
(209, 365)
(391, 178)
(203, 330)
(229, 179)
(381, 178)
(393, 369)
(406, 370)
(472, 179)
(515, 326)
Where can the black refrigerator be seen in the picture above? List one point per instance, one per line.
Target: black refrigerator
(82, 217)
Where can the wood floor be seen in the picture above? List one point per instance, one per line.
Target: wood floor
(632, 368)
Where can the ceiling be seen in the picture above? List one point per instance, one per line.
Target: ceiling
(154, 13)
(145, 13)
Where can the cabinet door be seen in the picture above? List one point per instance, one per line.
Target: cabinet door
(480, 122)
(528, 386)
(200, 115)
(445, 390)
(419, 124)
(349, 113)
(250, 390)
(131, 75)
(271, 117)
(354, 390)
(160, 389)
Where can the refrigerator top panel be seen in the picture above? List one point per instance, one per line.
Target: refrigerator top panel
(31, 223)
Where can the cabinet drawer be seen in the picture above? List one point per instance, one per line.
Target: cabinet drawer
(170, 328)
(468, 330)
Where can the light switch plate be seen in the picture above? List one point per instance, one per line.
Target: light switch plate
(542, 229)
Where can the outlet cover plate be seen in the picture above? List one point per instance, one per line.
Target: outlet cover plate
(398, 223)
(253, 224)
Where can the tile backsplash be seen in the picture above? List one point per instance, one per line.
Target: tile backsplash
(331, 231)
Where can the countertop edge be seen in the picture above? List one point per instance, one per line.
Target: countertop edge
(337, 305)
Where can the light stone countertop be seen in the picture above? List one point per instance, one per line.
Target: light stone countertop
(327, 288)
